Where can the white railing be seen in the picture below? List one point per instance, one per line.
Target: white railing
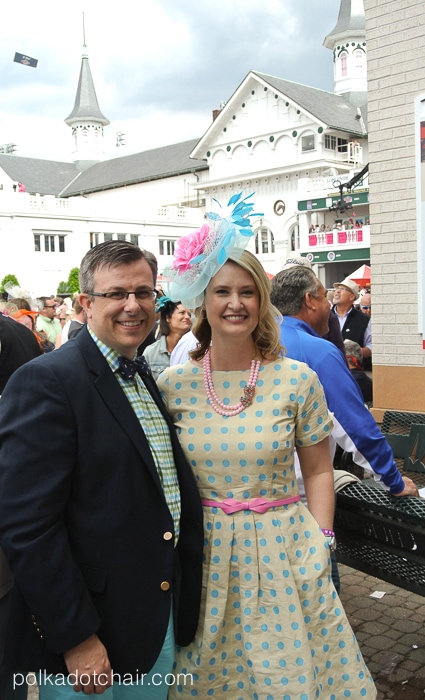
(339, 237)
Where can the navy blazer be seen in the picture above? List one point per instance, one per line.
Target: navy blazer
(83, 518)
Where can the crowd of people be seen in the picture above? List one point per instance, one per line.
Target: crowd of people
(167, 485)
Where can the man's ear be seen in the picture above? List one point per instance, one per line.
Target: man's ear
(309, 301)
(85, 302)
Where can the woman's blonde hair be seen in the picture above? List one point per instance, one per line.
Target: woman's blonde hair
(267, 333)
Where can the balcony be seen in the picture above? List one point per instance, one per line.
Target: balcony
(337, 238)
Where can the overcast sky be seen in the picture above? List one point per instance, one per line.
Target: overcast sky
(159, 66)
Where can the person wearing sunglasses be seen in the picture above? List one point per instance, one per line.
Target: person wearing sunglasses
(366, 304)
(47, 321)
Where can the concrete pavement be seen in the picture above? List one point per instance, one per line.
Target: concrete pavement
(390, 631)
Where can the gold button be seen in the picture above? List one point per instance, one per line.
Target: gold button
(168, 535)
(165, 586)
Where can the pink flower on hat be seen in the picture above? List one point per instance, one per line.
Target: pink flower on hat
(189, 247)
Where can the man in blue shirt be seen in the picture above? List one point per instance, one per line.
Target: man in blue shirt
(301, 298)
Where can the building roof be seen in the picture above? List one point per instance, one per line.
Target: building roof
(351, 22)
(157, 163)
(351, 16)
(336, 111)
(65, 180)
(86, 107)
(38, 176)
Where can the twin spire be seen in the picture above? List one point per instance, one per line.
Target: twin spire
(86, 119)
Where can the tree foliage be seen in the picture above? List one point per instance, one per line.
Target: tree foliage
(72, 285)
(8, 279)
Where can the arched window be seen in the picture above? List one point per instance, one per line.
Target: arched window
(343, 58)
(359, 62)
(294, 237)
(264, 241)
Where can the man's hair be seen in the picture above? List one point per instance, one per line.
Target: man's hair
(289, 288)
(76, 306)
(112, 254)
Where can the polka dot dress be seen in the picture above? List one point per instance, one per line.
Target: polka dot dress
(271, 625)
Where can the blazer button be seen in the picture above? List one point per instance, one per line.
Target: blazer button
(168, 536)
(165, 586)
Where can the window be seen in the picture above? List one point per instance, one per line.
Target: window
(166, 247)
(344, 57)
(134, 238)
(307, 143)
(94, 239)
(49, 243)
(342, 146)
(108, 236)
(264, 241)
(294, 237)
(120, 236)
(359, 56)
(330, 142)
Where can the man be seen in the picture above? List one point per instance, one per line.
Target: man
(72, 327)
(354, 324)
(17, 346)
(100, 516)
(47, 321)
(333, 334)
(366, 304)
(301, 298)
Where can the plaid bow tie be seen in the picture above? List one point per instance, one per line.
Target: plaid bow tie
(129, 368)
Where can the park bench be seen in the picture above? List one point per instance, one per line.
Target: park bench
(380, 534)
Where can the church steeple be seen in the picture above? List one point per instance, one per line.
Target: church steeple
(348, 42)
(87, 121)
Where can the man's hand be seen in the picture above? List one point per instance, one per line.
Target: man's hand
(410, 488)
(89, 664)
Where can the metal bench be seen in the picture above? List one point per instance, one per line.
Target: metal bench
(380, 534)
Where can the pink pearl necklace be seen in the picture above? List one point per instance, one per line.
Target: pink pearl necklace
(248, 390)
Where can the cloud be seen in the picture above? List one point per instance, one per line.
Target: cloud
(159, 66)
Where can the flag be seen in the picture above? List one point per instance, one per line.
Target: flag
(25, 60)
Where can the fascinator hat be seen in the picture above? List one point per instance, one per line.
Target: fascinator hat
(199, 255)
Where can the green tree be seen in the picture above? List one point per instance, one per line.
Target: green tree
(9, 279)
(71, 286)
(73, 282)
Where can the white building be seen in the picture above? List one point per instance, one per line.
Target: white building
(297, 147)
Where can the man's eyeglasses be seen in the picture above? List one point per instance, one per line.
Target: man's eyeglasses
(61, 318)
(141, 295)
(365, 307)
(50, 306)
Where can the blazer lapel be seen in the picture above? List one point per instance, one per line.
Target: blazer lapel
(116, 401)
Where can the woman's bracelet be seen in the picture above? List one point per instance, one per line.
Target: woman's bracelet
(328, 533)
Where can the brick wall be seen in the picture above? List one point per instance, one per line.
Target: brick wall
(395, 34)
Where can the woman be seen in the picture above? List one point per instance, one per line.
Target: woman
(174, 321)
(271, 623)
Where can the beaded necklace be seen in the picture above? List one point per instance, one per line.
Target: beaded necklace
(248, 390)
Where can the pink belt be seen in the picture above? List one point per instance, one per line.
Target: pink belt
(260, 505)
